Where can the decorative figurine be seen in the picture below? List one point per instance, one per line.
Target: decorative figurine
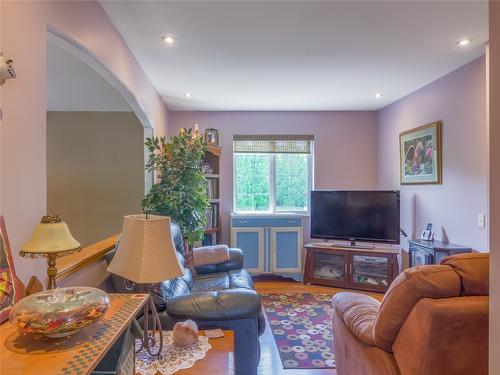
(185, 333)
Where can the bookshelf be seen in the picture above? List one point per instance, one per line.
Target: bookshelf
(211, 161)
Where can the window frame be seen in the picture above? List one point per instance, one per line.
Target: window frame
(272, 189)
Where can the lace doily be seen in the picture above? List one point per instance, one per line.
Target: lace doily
(174, 358)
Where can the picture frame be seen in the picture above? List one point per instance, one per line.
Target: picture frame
(212, 137)
(420, 151)
(10, 286)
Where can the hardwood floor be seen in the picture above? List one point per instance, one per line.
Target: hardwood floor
(270, 362)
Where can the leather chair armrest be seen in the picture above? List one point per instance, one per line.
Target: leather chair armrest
(444, 336)
(227, 305)
(358, 312)
(235, 263)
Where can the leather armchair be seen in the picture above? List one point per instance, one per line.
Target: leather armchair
(432, 320)
(215, 296)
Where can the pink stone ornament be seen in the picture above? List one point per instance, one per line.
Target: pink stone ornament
(185, 333)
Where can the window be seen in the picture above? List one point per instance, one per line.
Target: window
(272, 173)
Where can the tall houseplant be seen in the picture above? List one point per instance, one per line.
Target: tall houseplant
(181, 188)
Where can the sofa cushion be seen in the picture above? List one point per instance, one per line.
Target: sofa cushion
(235, 262)
(435, 281)
(240, 279)
(358, 312)
(216, 305)
(210, 282)
(236, 279)
(473, 270)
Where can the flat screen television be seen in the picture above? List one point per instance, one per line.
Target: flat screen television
(356, 215)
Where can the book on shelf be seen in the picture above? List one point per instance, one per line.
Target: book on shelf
(215, 215)
(212, 188)
(212, 215)
(209, 239)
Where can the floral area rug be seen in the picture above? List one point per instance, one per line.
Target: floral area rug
(301, 324)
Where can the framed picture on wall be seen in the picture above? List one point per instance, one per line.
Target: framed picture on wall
(10, 291)
(212, 137)
(420, 155)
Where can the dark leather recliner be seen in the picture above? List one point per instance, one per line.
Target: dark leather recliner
(217, 296)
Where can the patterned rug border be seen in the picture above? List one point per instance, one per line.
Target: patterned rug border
(312, 296)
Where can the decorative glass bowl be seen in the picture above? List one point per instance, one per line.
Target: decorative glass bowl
(59, 312)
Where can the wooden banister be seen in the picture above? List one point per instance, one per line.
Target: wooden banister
(90, 254)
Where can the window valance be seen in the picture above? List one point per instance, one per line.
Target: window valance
(273, 144)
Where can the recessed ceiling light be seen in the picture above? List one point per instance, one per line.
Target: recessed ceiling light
(464, 42)
(378, 95)
(169, 39)
(187, 95)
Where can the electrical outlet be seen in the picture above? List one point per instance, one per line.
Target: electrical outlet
(481, 221)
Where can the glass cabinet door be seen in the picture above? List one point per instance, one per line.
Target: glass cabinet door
(439, 255)
(419, 257)
(329, 266)
(372, 271)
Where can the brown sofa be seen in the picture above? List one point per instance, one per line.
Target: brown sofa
(432, 320)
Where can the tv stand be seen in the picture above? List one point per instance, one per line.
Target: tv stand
(344, 245)
(354, 245)
(368, 268)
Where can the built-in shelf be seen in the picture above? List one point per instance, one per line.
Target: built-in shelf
(212, 230)
(213, 234)
(215, 150)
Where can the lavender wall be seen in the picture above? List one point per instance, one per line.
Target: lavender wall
(459, 100)
(24, 27)
(345, 144)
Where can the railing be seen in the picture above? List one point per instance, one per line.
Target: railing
(90, 254)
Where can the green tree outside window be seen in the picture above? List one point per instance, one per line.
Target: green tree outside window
(253, 179)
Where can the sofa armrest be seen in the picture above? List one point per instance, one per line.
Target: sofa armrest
(235, 263)
(221, 305)
(446, 336)
(358, 313)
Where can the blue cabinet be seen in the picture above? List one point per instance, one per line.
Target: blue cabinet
(270, 244)
(251, 241)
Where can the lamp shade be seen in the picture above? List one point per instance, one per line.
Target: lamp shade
(146, 253)
(51, 236)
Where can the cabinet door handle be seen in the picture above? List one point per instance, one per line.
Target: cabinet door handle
(350, 268)
(292, 221)
(242, 221)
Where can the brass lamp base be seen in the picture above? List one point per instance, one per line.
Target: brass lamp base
(51, 271)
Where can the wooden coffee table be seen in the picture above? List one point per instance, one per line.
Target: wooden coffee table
(218, 360)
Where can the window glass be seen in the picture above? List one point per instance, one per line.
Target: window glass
(252, 177)
(271, 182)
(291, 182)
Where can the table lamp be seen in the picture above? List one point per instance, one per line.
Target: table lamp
(50, 239)
(146, 255)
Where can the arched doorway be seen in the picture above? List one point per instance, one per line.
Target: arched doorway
(95, 143)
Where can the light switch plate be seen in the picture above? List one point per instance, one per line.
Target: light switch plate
(481, 221)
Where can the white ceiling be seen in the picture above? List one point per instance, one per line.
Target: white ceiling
(74, 86)
(297, 55)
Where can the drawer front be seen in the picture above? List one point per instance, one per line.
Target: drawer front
(266, 222)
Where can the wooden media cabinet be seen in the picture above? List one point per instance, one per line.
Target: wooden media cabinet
(371, 269)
